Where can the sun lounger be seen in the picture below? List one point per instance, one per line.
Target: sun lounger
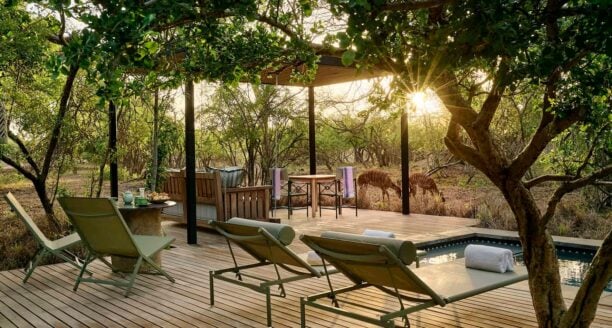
(385, 266)
(105, 233)
(58, 247)
(267, 244)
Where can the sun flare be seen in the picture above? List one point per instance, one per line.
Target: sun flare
(425, 102)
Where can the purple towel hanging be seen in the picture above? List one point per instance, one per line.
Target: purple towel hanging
(276, 183)
(348, 190)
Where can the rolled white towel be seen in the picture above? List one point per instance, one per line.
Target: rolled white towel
(313, 258)
(378, 233)
(489, 258)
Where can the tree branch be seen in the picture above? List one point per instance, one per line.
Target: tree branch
(57, 127)
(592, 148)
(546, 178)
(458, 148)
(24, 151)
(412, 5)
(60, 34)
(491, 104)
(571, 186)
(540, 140)
(284, 28)
(18, 167)
(461, 111)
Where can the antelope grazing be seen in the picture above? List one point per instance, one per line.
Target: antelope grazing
(425, 183)
(378, 179)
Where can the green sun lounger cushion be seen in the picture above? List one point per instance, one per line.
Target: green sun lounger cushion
(282, 232)
(403, 249)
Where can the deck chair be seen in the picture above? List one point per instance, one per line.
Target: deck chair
(384, 264)
(58, 247)
(267, 244)
(282, 186)
(105, 233)
(342, 188)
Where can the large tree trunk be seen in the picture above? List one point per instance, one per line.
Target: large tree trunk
(539, 255)
(582, 311)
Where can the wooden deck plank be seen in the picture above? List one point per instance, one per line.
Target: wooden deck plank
(8, 317)
(146, 308)
(48, 304)
(48, 299)
(89, 302)
(29, 319)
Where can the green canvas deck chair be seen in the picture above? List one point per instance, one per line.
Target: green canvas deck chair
(267, 244)
(105, 233)
(383, 263)
(57, 247)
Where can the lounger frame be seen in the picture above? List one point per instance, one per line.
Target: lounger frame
(258, 236)
(381, 256)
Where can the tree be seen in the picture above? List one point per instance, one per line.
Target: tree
(258, 125)
(25, 50)
(562, 48)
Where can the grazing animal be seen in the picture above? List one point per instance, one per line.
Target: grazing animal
(378, 179)
(425, 183)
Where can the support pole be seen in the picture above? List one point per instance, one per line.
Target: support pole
(112, 145)
(311, 131)
(405, 164)
(190, 176)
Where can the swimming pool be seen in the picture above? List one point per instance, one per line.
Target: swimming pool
(573, 262)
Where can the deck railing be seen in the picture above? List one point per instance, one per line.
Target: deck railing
(245, 202)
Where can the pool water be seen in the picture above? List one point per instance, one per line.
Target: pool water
(573, 262)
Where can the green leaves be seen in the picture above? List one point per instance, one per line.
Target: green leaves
(348, 57)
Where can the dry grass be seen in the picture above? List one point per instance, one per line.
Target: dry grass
(17, 245)
(575, 216)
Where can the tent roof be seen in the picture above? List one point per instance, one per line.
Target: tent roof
(330, 71)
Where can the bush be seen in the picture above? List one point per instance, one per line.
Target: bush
(573, 220)
(495, 214)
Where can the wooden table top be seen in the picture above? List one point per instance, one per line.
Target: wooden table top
(122, 207)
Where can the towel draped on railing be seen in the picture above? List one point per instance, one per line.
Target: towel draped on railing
(348, 187)
(276, 183)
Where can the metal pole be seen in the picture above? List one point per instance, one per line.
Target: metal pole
(405, 163)
(311, 131)
(112, 144)
(190, 176)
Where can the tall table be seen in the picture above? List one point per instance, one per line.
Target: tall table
(313, 179)
(142, 220)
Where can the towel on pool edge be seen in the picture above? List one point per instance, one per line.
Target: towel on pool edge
(378, 233)
(489, 258)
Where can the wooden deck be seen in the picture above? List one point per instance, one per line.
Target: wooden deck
(47, 300)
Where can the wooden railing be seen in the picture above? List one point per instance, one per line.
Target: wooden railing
(248, 202)
(245, 202)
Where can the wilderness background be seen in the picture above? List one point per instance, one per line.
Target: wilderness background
(258, 127)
